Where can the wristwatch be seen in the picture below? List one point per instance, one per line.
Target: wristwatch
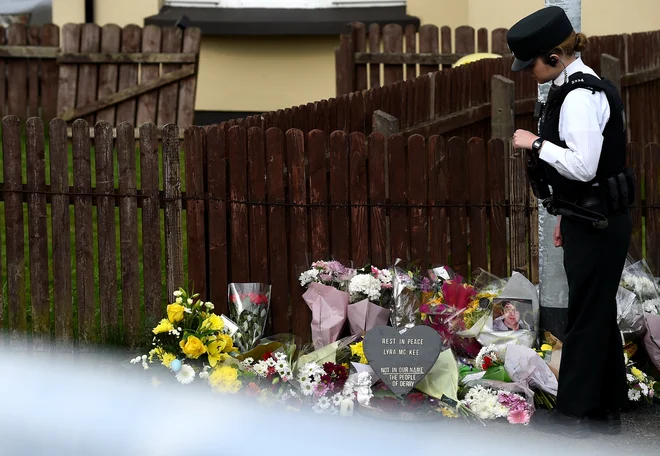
(536, 145)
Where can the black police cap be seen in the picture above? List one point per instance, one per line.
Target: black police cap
(537, 34)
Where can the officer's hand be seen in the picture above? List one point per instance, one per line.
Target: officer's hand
(523, 139)
(556, 237)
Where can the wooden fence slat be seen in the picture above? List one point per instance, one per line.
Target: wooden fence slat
(68, 74)
(417, 196)
(356, 112)
(342, 113)
(339, 194)
(428, 44)
(3, 77)
(147, 104)
(192, 39)
(635, 160)
(299, 246)
(465, 39)
(256, 158)
(438, 216)
(107, 250)
(477, 173)
(374, 46)
(37, 232)
(238, 191)
(360, 40)
(108, 72)
(131, 41)
(60, 216)
(277, 241)
(151, 225)
(90, 41)
(17, 81)
(358, 196)
(173, 215)
(497, 212)
(498, 41)
(194, 146)
(14, 231)
(345, 62)
(216, 174)
(172, 38)
(398, 191)
(652, 196)
(533, 236)
(33, 74)
(410, 33)
(393, 42)
(482, 40)
(318, 194)
(457, 199)
(130, 284)
(518, 192)
(50, 36)
(378, 215)
(84, 240)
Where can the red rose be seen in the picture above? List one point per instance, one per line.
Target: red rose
(487, 363)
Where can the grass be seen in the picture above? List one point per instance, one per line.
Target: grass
(116, 336)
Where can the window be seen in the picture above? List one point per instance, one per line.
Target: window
(302, 4)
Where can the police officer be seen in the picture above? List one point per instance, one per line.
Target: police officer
(581, 153)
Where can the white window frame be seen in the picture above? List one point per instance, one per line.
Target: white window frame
(291, 4)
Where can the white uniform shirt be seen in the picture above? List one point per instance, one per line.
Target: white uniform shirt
(582, 119)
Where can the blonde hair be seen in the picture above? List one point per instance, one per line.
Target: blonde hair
(576, 42)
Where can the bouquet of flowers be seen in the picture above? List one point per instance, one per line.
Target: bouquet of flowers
(637, 277)
(249, 304)
(408, 290)
(640, 385)
(323, 385)
(369, 290)
(489, 404)
(330, 273)
(190, 340)
(488, 288)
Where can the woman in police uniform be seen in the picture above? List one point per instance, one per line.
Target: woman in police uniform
(581, 149)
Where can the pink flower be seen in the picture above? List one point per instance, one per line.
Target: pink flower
(519, 416)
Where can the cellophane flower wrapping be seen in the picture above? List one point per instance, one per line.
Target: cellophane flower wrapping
(249, 304)
(638, 278)
(408, 287)
(328, 306)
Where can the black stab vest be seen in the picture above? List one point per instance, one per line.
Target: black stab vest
(613, 153)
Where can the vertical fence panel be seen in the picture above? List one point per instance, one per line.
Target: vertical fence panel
(652, 194)
(378, 226)
(318, 194)
(358, 195)
(84, 240)
(17, 80)
(107, 256)
(147, 104)
(477, 174)
(497, 212)
(3, 77)
(109, 72)
(417, 197)
(399, 234)
(257, 212)
(360, 40)
(68, 73)
(33, 74)
(38, 233)
(14, 231)
(192, 38)
(239, 239)
(131, 41)
(299, 257)
(90, 41)
(428, 44)
(518, 191)
(457, 184)
(410, 33)
(50, 36)
(61, 223)
(374, 46)
(339, 185)
(195, 146)
(151, 226)
(167, 96)
(277, 242)
(635, 160)
(172, 191)
(128, 227)
(438, 191)
(393, 43)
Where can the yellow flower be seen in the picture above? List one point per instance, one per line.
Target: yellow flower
(229, 343)
(167, 359)
(164, 326)
(212, 323)
(214, 351)
(192, 347)
(637, 373)
(175, 312)
(224, 379)
(358, 350)
(546, 347)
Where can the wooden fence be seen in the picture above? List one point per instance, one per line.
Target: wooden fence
(104, 73)
(105, 250)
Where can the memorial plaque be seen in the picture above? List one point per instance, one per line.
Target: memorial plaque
(401, 361)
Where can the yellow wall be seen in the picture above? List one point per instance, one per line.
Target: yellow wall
(270, 73)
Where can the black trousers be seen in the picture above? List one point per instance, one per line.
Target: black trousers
(592, 376)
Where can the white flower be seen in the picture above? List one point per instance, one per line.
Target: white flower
(261, 369)
(365, 284)
(322, 405)
(484, 403)
(644, 388)
(633, 395)
(179, 300)
(190, 301)
(307, 387)
(630, 378)
(177, 293)
(136, 360)
(186, 374)
(308, 276)
(209, 305)
(652, 306)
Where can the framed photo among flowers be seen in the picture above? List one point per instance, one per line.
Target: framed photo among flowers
(512, 314)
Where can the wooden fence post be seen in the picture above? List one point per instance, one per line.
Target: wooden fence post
(503, 116)
(345, 62)
(611, 70)
(388, 125)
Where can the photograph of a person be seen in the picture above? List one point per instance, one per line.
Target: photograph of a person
(512, 315)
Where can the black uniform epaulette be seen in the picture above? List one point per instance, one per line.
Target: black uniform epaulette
(590, 82)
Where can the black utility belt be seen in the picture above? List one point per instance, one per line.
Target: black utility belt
(607, 198)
